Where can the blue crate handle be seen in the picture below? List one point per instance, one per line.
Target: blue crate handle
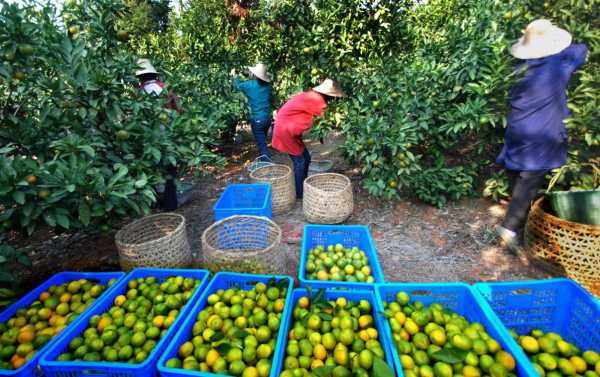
(53, 368)
(222, 280)
(31, 368)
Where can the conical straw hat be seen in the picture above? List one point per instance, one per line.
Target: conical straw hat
(541, 39)
(330, 88)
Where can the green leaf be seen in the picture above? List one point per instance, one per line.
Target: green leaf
(19, 197)
(271, 282)
(6, 214)
(6, 277)
(70, 188)
(240, 333)
(223, 348)
(3, 259)
(325, 316)
(381, 369)
(24, 260)
(84, 213)
(63, 221)
(450, 355)
(318, 296)
(217, 336)
(323, 371)
(7, 293)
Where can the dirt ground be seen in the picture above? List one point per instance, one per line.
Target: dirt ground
(414, 241)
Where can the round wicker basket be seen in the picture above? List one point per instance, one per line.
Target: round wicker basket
(328, 198)
(283, 190)
(154, 241)
(574, 247)
(243, 243)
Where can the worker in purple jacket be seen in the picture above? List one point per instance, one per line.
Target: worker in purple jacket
(536, 137)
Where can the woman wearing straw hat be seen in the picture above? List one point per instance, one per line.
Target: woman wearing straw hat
(258, 92)
(295, 117)
(150, 83)
(536, 137)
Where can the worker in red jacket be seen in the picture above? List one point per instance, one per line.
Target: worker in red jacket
(294, 118)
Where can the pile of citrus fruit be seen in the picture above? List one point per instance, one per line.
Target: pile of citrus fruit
(552, 356)
(130, 329)
(31, 328)
(435, 341)
(235, 333)
(339, 337)
(339, 264)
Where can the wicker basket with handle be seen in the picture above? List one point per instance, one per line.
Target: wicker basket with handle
(283, 190)
(154, 241)
(243, 243)
(574, 247)
(328, 198)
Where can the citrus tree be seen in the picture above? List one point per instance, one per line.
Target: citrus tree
(81, 143)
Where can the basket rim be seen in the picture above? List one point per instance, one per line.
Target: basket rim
(562, 193)
(537, 207)
(337, 175)
(288, 171)
(234, 217)
(119, 234)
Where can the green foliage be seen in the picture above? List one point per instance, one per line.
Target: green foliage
(145, 16)
(9, 284)
(82, 145)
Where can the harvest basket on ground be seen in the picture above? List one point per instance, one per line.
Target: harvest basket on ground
(281, 179)
(224, 281)
(332, 295)
(154, 241)
(52, 367)
(554, 305)
(243, 244)
(253, 199)
(328, 198)
(457, 297)
(348, 236)
(30, 368)
(571, 246)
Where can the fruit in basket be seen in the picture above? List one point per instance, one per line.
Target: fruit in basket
(336, 262)
(552, 355)
(23, 335)
(236, 332)
(435, 341)
(131, 328)
(333, 337)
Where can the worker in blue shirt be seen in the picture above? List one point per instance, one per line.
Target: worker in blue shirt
(258, 92)
(536, 136)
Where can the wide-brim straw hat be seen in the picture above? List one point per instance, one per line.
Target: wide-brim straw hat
(541, 39)
(330, 88)
(146, 67)
(260, 71)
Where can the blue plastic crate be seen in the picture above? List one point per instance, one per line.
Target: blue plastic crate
(333, 294)
(557, 305)
(31, 367)
(53, 368)
(458, 297)
(244, 199)
(223, 280)
(347, 235)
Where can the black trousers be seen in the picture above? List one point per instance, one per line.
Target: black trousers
(524, 186)
(169, 198)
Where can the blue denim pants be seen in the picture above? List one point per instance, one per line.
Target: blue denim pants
(301, 164)
(260, 129)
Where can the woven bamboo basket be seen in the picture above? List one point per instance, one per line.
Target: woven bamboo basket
(243, 243)
(574, 247)
(328, 198)
(283, 190)
(154, 241)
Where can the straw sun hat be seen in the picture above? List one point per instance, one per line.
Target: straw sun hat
(330, 88)
(260, 71)
(145, 67)
(541, 39)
